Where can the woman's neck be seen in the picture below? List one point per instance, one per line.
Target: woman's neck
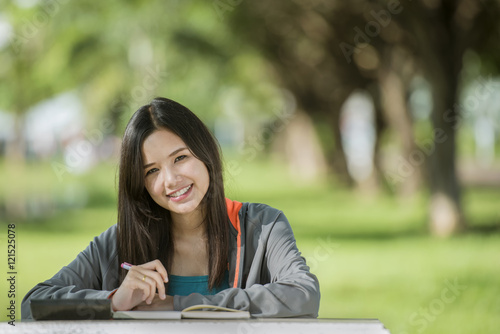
(190, 257)
(188, 225)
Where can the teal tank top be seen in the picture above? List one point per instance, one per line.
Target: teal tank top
(185, 285)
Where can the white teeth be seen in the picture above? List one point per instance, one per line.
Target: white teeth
(181, 192)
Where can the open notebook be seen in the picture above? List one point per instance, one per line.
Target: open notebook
(192, 312)
(93, 309)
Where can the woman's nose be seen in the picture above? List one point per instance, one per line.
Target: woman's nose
(170, 178)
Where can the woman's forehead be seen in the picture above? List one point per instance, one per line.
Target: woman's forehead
(162, 142)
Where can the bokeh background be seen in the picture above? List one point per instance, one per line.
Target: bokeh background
(372, 124)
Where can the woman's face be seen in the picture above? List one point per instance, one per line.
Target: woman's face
(174, 177)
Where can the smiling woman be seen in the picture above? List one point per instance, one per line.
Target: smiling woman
(190, 243)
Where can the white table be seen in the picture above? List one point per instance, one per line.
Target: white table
(251, 326)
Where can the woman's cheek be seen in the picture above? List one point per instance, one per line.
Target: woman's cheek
(157, 188)
(151, 186)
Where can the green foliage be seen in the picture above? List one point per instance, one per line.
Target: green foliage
(107, 52)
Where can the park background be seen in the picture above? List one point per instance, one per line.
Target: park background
(372, 124)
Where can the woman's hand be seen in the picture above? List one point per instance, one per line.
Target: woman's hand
(140, 285)
(158, 304)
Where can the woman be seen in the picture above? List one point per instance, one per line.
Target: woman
(190, 244)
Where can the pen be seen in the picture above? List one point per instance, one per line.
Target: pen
(126, 266)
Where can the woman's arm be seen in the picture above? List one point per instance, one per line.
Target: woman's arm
(92, 275)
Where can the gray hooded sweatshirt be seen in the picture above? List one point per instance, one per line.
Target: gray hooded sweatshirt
(267, 274)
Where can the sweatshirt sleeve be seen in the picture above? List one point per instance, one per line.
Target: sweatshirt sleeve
(89, 276)
(292, 291)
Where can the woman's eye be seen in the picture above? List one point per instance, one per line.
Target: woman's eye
(180, 157)
(151, 171)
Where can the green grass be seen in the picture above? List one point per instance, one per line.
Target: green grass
(372, 255)
(393, 279)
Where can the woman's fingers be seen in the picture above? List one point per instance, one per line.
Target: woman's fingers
(158, 273)
(157, 305)
(131, 292)
(157, 266)
(140, 285)
(138, 280)
(151, 273)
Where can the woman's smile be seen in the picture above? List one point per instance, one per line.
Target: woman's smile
(180, 194)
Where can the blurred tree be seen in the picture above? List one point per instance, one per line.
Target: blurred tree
(436, 35)
(118, 56)
(300, 43)
(323, 50)
(52, 49)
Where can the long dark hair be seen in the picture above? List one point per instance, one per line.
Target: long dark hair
(144, 228)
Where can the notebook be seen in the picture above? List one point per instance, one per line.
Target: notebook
(192, 312)
(98, 309)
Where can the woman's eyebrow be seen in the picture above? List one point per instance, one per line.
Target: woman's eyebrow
(177, 151)
(148, 165)
(171, 154)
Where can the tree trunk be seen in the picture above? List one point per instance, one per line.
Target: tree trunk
(300, 147)
(445, 203)
(405, 167)
(442, 53)
(380, 128)
(336, 158)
